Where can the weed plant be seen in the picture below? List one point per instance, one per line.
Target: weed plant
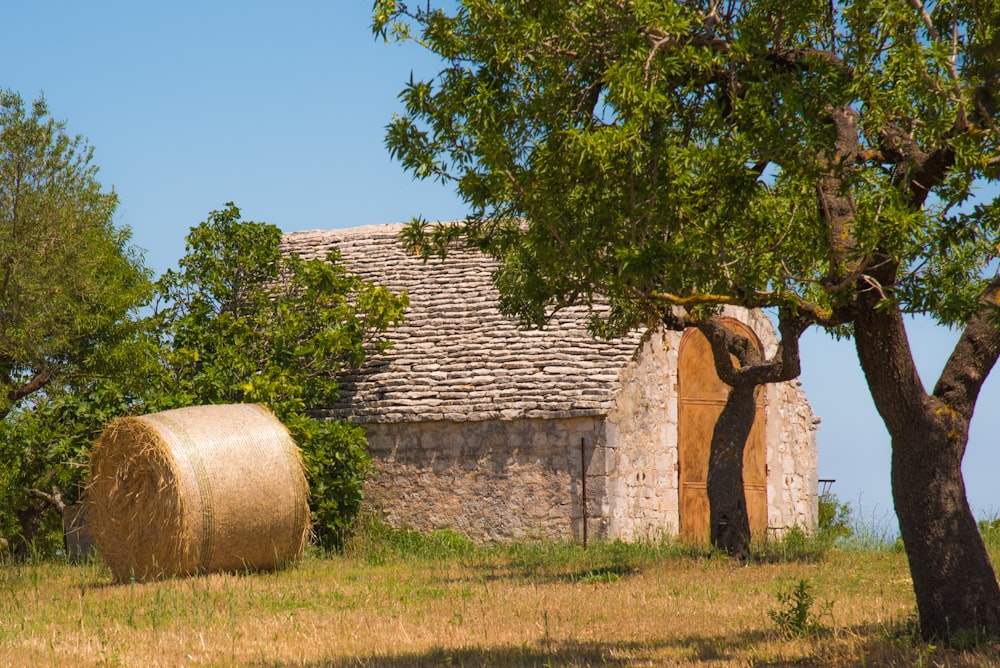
(794, 615)
(834, 518)
(840, 526)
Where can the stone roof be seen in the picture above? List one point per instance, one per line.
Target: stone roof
(456, 357)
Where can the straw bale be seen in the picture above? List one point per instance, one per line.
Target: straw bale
(198, 489)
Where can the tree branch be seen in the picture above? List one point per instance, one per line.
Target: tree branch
(974, 356)
(41, 379)
(785, 59)
(788, 59)
(885, 354)
(835, 202)
(751, 368)
(727, 344)
(928, 23)
(54, 499)
(786, 363)
(659, 40)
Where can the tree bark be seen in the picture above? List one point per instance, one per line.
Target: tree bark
(39, 381)
(953, 579)
(728, 519)
(954, 582)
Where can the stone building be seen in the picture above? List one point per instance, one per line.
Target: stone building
(498, 433)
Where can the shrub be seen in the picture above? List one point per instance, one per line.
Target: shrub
(834, 518)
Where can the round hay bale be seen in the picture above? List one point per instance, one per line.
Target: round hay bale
(198, 489)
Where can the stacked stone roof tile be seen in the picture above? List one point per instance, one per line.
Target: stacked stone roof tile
(456, 357)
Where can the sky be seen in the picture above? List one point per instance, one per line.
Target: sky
(281, 108)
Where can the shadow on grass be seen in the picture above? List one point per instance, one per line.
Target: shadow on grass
(864, 645)
(898, 643)
(581, 575)
(691, 649)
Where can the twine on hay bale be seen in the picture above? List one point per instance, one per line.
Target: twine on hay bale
(199, 489)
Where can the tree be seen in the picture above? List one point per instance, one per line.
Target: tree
(68, 277)
(824, 159)
(242, 322)
(70, 284)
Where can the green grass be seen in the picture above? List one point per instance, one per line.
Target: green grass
(397, 598)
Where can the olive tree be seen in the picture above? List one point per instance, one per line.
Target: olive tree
(834, 161)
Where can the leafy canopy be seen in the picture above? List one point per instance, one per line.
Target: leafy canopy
(682, 153)
(69, 279)
(238, 321)
(838, 160)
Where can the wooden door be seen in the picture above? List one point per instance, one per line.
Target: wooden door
(702, 396)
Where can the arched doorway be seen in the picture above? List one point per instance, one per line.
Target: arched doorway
(702, 396)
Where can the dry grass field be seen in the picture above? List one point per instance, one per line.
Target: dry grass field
(527, 605)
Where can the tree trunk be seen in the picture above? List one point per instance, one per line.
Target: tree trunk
(740, 365)
(954, 582)
(728, 519)
(953, 579)
(29, 518)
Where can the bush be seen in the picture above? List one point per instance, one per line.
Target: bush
(43, 463)
(834, 518)
(337, 463)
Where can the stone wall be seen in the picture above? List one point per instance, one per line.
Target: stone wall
(641, 438)
(792, 465)
(489, 480)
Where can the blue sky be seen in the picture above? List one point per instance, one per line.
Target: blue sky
(280, 108)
